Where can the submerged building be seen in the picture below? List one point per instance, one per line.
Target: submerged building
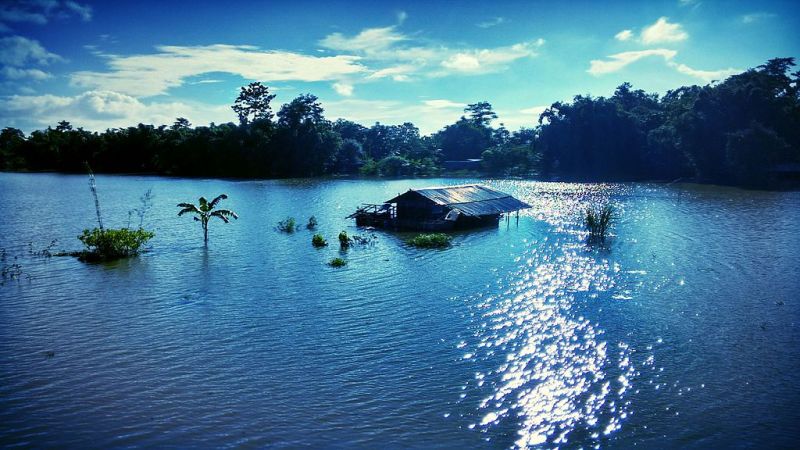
(440, 209)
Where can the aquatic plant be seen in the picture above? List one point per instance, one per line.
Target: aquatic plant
(312, 223)
(109, 244)
(598, 221)
(206, 211)
(318, 241)
(287, 225)
(430, 240)
(337, 262)
(45, 252)
(145, 204)
(93, 188)
(344, 240)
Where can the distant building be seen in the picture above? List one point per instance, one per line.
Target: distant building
(440, 208)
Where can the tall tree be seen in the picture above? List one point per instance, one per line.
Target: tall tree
(253, 103)
(481, 113)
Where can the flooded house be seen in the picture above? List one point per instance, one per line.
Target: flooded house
(440, 209)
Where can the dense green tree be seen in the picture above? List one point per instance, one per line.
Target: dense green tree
(253, 103)
(738, 131)
(481, 113)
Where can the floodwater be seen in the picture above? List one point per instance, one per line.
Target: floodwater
(683, 332)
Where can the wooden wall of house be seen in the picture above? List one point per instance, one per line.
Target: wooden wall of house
(419, 208)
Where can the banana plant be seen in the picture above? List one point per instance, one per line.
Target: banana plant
(206, 211)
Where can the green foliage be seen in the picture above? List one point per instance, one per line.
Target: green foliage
(109, 244)
(344, 240)
(252, 104)
(337, 262)
(370, 167)
(430, 240)
(737, 131)
(318, 241)
(597, 221)
(287, 225)
(206, 211)
(312, 223)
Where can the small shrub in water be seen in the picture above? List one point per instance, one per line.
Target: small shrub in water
(109, 244)
(312, 223)
(318, 241)
(337, 262)
(287, 225)
(598, 221)
(344, 240)
(431, 240)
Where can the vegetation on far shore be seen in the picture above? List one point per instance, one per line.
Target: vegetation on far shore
(744, 130)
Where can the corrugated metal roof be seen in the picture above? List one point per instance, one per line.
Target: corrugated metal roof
(470, 199)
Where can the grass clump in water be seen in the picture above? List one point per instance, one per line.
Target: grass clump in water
(318, 241)
(337, 262)
(344, 240)
(288, 225)
(312, 223)
(598, 222)
(109, 244)
(430, 240)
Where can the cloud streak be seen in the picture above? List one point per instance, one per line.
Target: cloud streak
(619, 61)
(395, 55)
(154, 74)
(99, 110)
(41, 12)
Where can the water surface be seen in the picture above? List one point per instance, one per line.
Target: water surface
(682, 332)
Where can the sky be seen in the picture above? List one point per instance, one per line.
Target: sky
(108, 64)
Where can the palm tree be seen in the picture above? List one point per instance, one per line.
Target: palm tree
(206, 211)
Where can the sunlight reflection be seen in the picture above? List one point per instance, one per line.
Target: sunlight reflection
(554, 378)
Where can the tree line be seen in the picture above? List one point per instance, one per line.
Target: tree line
(744, 130)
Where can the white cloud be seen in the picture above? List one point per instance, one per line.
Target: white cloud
(154, 74)
(99, 110)
(490, 60)
(623, 35)
(620, 60)
(756, 17)
(344, 89)
(20, 51)
(369, 41)
(491, 23)
(439, 104)
(84, 11)
(14, 73)
(705, 75)
(397, 73)
(40, 12)
(663, 31)
(388, 46)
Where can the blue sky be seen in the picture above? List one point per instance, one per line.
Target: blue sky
(113, 64)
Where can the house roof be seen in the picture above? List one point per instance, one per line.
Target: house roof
(469, 199)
